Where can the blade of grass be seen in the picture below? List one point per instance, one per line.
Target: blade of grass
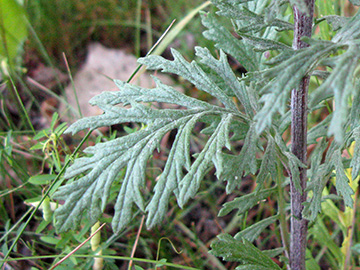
(137, 70)
(165, 41)
(137, 28)
(21, 104)
(109, 257)
(136, 242)
(201, 245)
(72, 85)
(178, 28)
(44, 54)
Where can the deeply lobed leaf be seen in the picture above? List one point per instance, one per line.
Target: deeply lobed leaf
(241, 251)
(90, 193)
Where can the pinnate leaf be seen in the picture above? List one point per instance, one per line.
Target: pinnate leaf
(189, 71)
(252, 232)
(89, 194)
(228, 43)
(244, 203)
(241, 251)
(341, 84)
(355, 161)
(286, 75)
(342, 181)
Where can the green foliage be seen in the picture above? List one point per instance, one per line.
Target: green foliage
(13, 31)
(252, 108)
(241, 251)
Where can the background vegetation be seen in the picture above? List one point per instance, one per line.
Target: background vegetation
(33, 149)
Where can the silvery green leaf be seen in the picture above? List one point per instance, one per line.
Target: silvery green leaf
(189, 71)
(355, 108)
(340, 82)
(284, 122)
(274, 9)
(342, 181)
(242, 251)
(252, 232)
(355, 161)
(336, 21)
(321, 74)
(223, 69)
(247, 20)
(228, 43)
(245, 202)
(88, 195)
(131, 94)
(268, 164)
(319, 175)
(211, 153)
(349, 31)
(320, 130)
(263, 44)
(289, 160)
(241, 164)
(272, 253)
(317, 184)
(286, 76)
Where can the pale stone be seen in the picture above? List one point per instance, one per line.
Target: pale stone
(92, 78)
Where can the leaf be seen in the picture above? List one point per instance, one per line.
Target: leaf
(241, 251)
(244, 203)
(227, 42)
(284, 77)
(336, 21)
(310, 262)
(264, 44)
(242, 164)
(211, 152)
(247, 20)
(172, 177)
(350, 31)
(340, 82)
(319, 175)
(342, 181)
(90, 193)
(253, 232)
(320, 130)
(223, 69)
(322, 236)
(268, 164)
(273, 10)
(355, 161)
(355, 108)
(13, 29)
(139, 113)
(289, 160)
(41, 179)
(189, 71)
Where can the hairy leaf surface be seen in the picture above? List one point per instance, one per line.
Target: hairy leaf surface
(226, 41)
(180, 176)
(244, 203)
(241, 251)
(252, 232)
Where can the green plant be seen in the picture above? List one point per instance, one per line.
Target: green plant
(252, 108)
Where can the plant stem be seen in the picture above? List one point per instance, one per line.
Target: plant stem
(303, 27)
